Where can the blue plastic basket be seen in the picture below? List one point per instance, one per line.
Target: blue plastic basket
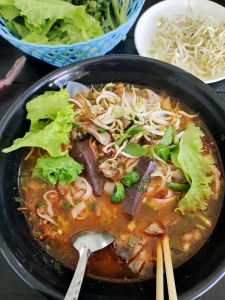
(62, 55)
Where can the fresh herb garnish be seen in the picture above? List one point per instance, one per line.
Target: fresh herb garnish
(179, 186)
(151, 154)
(102, 159)
(118, 193)
(131, 178)
(140, 187)
(164, 148)
(91, 206)
(145, 180)
(75, 125)
(164, 152)
(135, 149)
(134, 129)
(129, 242)
(66, 206)
(41, 204)
(101, 130)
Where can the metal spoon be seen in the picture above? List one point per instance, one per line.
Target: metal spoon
(86, 242)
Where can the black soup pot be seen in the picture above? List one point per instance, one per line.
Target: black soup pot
(28, 258)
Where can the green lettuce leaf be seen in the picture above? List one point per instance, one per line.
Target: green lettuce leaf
(63, 169)
(8, 10)
(49, 128)
(18, 27)
(164, 148)
(50, 22)
(47, 106)
(135, 149)
(196, 168)
(48, 138)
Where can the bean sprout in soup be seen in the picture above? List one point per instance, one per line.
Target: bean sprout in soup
(124, 159)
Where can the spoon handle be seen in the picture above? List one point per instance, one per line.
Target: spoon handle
(75, 285)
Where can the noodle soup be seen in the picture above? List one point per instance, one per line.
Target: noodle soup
(124, 159)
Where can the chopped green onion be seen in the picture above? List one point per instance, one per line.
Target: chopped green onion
(140, 187)
(101, 130)
(91, 206)
(129, 242)
(151, 154)
(179, 186)
(75, 125)
(131, 178)
(41, 204)
(102, 159)
(145, 180)
(118, 194)
(66, 206)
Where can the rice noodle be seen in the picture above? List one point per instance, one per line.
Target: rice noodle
(82, 183)
(159, 173)
(98, 210)
(49, 208)
(45, 216)
(168, 198)
(78, 209)
(130, 164)
(69, 198)
(164, 200)
(47, 195)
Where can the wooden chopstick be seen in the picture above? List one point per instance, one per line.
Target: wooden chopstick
(169, 269)
(159, 272)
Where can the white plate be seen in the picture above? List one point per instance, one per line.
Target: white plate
(147, 23)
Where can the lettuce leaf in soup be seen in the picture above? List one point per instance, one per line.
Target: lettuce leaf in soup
(52, 119)
(196, 167)
(46, 106)
(63, 169)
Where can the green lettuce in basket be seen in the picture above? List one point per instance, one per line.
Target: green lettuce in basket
(57, 22)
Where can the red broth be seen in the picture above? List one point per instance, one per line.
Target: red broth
(136, 257)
